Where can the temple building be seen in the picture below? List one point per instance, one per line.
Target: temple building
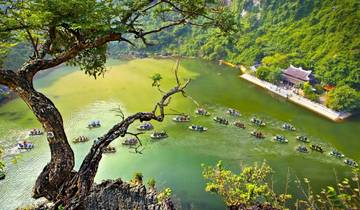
(296, 76)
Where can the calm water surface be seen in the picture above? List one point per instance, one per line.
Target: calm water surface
(176, 161)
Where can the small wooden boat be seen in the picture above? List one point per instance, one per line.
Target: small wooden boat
(181, 118)
(221, 120)
(197, 128)
(257, 122)
(280, 139)
(35, 132)
(94, 124)
(159, 135)
(25, 145)
(316, 148)
(336, 154)
(80, 139)
(109, 149)
(233, 112)
(302, 149)
(130, 142)
(288, 127)
(351, 163)
(239, 124)
(202, 111)
(146, 126)
(303, 139)
(257, 134)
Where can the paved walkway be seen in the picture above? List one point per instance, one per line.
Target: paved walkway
(316, 107)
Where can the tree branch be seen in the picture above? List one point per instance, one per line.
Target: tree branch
(86, 174)
(8, 78)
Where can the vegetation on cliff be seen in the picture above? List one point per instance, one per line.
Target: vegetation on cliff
(252, 188)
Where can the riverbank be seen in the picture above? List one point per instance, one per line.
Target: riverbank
(297, 99)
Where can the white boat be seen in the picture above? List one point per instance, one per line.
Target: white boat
(197, 128)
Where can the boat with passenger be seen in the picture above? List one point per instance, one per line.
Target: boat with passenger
(198, 128)
(25, 145)
(239, 124)
(233, 112)
(94, 124)
(221, 120)
(257, 122)
(257, 134)
(109, 149)
(81, 139)
(317, 148)
(202, 111)
(280, 139)
(35, 132)
(302, 149)
(159, 135)
(288, 127)
(181, 118)
(336, 154)
(130, 142)
(303, 139)
(146, 126)
(351, 163)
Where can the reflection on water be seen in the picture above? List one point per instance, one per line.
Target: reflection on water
(175, 162)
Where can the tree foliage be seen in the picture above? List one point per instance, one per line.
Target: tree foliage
(248, 188)
(251, 189)
(344, 98)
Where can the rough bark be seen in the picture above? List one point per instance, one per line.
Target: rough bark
(58, 170)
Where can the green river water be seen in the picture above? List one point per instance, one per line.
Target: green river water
(176, 161)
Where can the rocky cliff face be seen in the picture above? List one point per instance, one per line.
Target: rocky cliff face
(117, 195)
(121, 195)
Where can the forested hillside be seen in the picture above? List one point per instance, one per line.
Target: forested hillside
(322, 35)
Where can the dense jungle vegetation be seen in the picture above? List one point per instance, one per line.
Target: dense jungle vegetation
(320, 35)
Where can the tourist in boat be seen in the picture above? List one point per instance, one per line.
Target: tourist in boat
(221, 120)
(233, 112)
(303, 139)
(109, 149)
(80, 139)
(288, 127)
(257, 122)
(257, 134)
(336, 154)
(159, 135)
(351, 163)
(146, 126)
(35, 132)
(25, 145)
(202, 111)
(181, 118)
(197, 128)
(130, 142)
(302, 149)
(317, 148)
(280, 139)
(94, 124)
(239, 124)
